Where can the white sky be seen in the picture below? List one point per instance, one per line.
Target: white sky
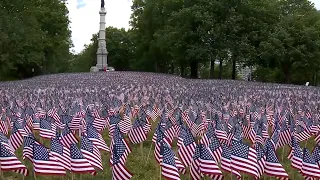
(84, 17)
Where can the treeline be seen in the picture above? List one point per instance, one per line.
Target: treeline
(34, 38)
(279, 38)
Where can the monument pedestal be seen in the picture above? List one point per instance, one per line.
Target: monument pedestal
(94, 69)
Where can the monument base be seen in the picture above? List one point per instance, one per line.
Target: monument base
(94, 69)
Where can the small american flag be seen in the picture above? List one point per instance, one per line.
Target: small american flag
(187, 147)
(60, 153)
(316, 154)
(215, 148)
(16, 138)
(47, 129)
(3, 124)
(137, 134)
(9, 162)
(44, 164)
(158, 138)
(28, 147)
(226, 161)
(79, 164)
(91, 152)
(261, 158)
(310, 169)
(97, 139)
(125, 123)
(67, 137)
(244, 158)
(295, 154)
(169, 168)
(119, 171)
(118, 140)
(204, 163)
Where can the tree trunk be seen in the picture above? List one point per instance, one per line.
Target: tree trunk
(287, 75)
(182, 70)
(172, 68)
(194, 69)
(212, 69)
(234, 70)
(220, 69)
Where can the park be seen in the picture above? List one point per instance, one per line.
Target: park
(194, 89)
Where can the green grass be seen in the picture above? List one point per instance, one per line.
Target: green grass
(145, 167)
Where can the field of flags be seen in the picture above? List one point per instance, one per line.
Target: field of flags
(130, 125)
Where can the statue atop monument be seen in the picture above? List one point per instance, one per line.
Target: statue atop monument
(102, 3)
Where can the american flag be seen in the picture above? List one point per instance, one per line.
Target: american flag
(157, 139)
(99, 123)
(261, 158)
(215, 148)
(67, 137)
(16, 138)
(9, 162)
(125, 123)
(91, 152)
(137, 133)
(113, 124)
(53, 113)
(187, 146)
(118, 140)
(28, 142)
(275, 136)
(119, 171)
(97, 139)
(60, 153)
(169, 168)
(44, 164)
(310, 169)
(35, 122)
(47, 129)
(244, 158)
(3, 124)
(285, 136)
(220, 131)
(295, 154)
(170, 131)
(273, 166)
(206, 138)
(204, 163)
(316, 154)
(79, 164)
(5, 141)
(75, 122)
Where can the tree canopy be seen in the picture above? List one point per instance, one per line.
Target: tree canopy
(34, 34)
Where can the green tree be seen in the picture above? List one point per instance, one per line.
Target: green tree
(33, 34)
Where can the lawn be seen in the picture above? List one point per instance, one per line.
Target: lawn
(143, 165)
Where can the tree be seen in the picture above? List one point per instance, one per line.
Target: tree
(294, 41)
(34, 34)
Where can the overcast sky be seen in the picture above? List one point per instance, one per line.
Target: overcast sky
(84, 16)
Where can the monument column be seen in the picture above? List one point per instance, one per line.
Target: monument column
(102, 53)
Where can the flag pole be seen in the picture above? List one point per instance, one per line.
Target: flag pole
(34, 175)
(141, 147)
(1, 172)
(160, 171)
(283, 153)
(148, 154)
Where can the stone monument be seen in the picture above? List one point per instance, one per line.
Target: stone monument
(102, 53)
